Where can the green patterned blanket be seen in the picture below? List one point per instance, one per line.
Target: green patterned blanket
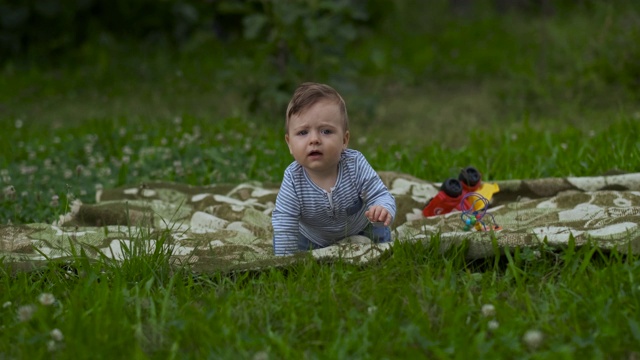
(228, 227)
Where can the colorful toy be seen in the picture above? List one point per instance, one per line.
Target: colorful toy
(467, 194)
(473, 217)
(470, 179)
(449, 198)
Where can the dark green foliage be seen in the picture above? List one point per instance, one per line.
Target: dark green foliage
(286, 42)
(54, 27)
(578, 50)
(296, 41)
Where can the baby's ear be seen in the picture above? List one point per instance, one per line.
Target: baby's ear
(286, 138)
(345, 140)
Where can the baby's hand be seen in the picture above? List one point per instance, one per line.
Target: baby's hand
(378, 213)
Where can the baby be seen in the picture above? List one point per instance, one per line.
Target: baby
(329, 192)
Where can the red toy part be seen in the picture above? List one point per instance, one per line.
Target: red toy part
(470, 179)
(449, 198)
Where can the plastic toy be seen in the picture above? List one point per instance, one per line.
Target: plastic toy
(449, 198)
(473, 218)
(467, 194)
(470, 179)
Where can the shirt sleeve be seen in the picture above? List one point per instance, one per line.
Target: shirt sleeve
(374, 192)
(286, 218)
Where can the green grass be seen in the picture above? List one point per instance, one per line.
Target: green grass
(416, 303)
(72, 161)
(563, 105)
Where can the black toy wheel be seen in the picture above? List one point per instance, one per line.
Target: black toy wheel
(470, 176)
(452, 187)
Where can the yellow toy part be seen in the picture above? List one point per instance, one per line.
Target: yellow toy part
(486, 190)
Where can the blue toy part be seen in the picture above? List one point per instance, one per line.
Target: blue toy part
(473, 217)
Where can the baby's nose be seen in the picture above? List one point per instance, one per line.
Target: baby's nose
(314, 137)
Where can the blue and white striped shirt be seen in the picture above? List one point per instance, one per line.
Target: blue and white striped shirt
(303, 208)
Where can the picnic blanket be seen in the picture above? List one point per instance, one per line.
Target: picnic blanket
(228, 227)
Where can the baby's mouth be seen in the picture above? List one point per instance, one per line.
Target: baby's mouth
(315, 153)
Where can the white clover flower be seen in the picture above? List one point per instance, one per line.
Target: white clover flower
(533, 339)
(493, 325)
(261, 355)
(54, 201)
(25, 312)
(488, 310)
(6, 304)
(56, 335)
(51, 345)
(9, 192)
(46, 299)
(372, 309)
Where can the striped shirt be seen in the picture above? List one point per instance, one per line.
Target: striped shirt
(303, 208)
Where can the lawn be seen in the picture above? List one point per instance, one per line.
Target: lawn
(116, 116)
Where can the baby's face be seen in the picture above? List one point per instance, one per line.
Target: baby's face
(316, 138)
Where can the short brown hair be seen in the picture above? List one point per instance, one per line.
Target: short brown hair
(308, 94)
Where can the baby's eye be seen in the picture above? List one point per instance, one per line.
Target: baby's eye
(326, 131)
(303, 132)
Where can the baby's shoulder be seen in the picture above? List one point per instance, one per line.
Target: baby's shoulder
(354, 158)
(351, 154)
(294, 167)
(294, 170)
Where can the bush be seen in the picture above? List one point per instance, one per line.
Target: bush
(49, 27)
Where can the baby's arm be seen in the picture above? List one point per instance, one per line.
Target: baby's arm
(285, 234)
(285, 219)
(382, 205)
